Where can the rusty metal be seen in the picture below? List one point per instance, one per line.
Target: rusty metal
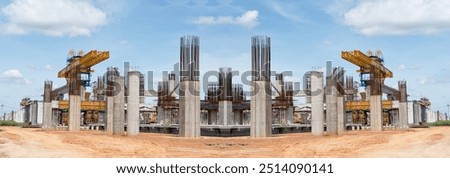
(85, 105)
(225, 84)
(261, 58)
(189, 58)
(365, 105)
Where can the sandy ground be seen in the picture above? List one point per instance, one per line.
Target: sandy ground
(21, 142)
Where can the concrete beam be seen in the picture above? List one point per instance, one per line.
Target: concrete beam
(261, 109)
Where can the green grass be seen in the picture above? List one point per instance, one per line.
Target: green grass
(440, 123)
(10, 123)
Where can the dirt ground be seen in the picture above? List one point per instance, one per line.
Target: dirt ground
(426, 142)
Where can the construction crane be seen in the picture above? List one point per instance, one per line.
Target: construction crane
(77, 74)
(371, 65)
(79, 65)
(372, 73)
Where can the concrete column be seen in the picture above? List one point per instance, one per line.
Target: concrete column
(212, 117)
(161, 115)
(403, 105)
(47, 115)
(47, 106)
(317, 103)
(133, 103)
(119, 110)
(376, 113)
(33, 113)
(83, 93)
(331, 115)
(168, 117)
(189, 111)
(225, 113)
(340, 115)
(261, 110)
(109, 114)
(74, 112)
(289, 115)
(238, 117)
(416, 113)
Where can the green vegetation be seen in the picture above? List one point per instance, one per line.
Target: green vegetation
(440, 123)
(10, 123)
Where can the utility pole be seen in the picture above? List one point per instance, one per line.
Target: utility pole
(448, 111)
(2, 111)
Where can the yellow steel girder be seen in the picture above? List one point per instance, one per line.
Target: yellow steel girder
(366, 63)
(365, 105)
(85, 105)
(84, 63)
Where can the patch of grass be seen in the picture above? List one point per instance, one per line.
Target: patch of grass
(10, 123)
(440, 123)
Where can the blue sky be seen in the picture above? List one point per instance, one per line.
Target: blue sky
(36, 36)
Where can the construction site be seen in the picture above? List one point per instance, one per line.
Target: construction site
(108, 116)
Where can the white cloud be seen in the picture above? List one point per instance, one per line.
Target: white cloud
(426, 81)
(14, 76)
(46, 67)
(287, 11)
(403, 67)
(249, 20)
(399, 17)
(52, 18)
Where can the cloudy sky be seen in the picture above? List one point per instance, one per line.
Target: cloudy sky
(36, 36)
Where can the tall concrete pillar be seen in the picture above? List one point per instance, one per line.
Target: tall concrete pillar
(133, 103)
(225, 113)
(189, 111)
(74, 100)
(83, 93)
(119, 110)
(317, 107)
(340, 115)
(416, 113)
(47, 106)
(34, 112)
(261, 95)
(160, 112)
(331, 100)
(289, 115)
(189, 103)
(238, 117)
(74, 112)
(403, 105)
(225, 96)
(261, 110)
(376, 113)
(109, 114)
